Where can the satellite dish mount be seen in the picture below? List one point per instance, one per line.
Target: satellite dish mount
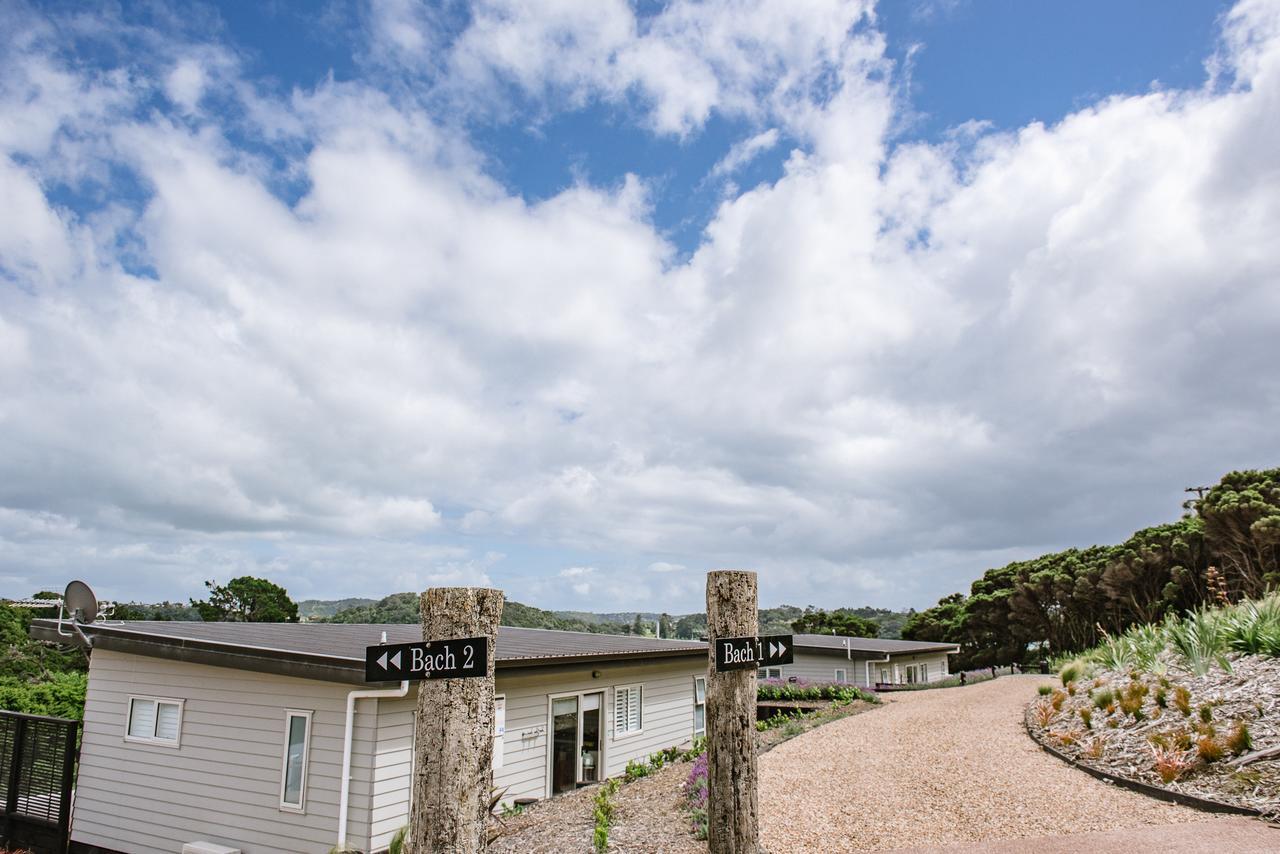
(80, 606)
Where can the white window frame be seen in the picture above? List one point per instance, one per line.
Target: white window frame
(639, 689)
(764, 672)
(499, 731)
(301, 805)
(842, 676)
(697, 732)
(152, 739)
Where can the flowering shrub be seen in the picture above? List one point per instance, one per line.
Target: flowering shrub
(839, 692)
(695, 796)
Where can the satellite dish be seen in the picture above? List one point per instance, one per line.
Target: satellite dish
(80, 602)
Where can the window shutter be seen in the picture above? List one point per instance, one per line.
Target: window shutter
(633, 710)
(142, 718)
(167, 721)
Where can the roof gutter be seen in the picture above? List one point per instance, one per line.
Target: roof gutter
(344, 798)
(302, 665)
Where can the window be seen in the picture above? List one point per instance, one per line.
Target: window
(924, 673)
(293, 775)
(154, 721)
(770, 672)
(842, 675)
(699, 705)
(627, 704)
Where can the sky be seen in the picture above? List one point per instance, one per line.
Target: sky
(581, 299)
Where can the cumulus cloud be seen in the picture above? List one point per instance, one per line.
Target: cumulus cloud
(893, 366)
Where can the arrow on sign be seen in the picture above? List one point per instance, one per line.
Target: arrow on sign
(382, 661)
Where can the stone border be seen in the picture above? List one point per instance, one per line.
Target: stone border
(1142, 788)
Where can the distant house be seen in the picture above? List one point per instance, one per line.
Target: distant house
(866, 662)
(233, 733)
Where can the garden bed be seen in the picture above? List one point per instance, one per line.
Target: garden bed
(650, 813)
(1183, 733)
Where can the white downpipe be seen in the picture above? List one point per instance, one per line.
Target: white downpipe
(345, 797)
(871, 661)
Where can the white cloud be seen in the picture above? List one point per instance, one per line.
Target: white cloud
(891, 366)
(744, 151)
(688, 60)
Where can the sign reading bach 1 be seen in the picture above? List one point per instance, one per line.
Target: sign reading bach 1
(458, 658)
(746, 653)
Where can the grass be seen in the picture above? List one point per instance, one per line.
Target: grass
(1200, 640)
(1239, 740)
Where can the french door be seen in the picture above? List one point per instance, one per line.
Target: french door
(577, 740)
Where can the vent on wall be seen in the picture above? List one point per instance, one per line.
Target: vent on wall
(207, 848)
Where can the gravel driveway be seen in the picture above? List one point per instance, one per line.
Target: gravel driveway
(932, 768)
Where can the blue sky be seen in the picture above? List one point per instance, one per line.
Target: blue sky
(583, 299)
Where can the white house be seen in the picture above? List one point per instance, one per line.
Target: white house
(235, 733)
(865, 662)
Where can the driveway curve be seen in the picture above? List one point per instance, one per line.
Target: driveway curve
(937, 767)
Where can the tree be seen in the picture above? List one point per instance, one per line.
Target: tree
(840, 622)
(666, 626)
(1242, 526)
(691, 626)
(939, 624)
(246, 600)
(639, 627)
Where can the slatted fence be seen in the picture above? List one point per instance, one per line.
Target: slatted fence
(37, 772)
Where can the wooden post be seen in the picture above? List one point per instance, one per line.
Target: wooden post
(732, 808)
(453, 772)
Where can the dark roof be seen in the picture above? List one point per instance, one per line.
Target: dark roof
(878, 647)
(335, 651)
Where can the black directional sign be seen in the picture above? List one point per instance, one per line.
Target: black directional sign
(457, 658)
(749, 652)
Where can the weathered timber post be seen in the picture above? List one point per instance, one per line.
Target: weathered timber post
(732, 808)
(453, 771)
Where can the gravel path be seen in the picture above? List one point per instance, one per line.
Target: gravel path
(933, 768)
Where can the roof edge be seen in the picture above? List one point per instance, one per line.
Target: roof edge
(301, 665)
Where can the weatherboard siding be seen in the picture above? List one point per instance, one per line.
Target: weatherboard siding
(222, 783)
(821, 667)
(667, 719)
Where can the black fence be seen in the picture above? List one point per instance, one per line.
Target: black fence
(37, 772)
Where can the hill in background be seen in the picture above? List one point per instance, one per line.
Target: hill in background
(403, 608)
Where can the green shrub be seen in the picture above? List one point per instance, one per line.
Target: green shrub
(59, 695)
(636, 769)
(1044, 690)
(1182, 700)
(1070, 673)
(1239, 740)
(603, 812)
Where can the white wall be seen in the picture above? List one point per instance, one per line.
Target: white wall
(821, 667)
(222, 784)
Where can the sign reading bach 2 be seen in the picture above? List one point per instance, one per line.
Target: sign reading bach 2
(457, 658)
(746, 653)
